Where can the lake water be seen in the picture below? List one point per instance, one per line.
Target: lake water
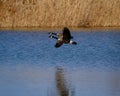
(30, 64)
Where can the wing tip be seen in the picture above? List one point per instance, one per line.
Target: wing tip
(58, 44)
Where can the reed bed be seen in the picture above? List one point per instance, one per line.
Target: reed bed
(59, 13)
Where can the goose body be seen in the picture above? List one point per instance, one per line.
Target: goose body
(62, 38)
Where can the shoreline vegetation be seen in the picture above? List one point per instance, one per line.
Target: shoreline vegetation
(59, 13)
(72, 29)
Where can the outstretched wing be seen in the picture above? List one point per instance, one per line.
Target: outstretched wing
(66, 35)
(59, 43)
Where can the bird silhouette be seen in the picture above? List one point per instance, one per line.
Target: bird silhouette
(62, 38)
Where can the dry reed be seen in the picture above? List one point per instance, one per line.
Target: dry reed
(59, 13)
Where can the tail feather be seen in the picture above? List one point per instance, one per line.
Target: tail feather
(72, 42)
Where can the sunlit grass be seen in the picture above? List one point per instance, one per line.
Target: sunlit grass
(59, 13)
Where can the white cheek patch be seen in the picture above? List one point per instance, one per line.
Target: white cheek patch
(59, 39)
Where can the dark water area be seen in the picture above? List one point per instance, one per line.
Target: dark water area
(30, 65)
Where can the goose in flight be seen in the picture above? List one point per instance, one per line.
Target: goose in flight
(62, 38)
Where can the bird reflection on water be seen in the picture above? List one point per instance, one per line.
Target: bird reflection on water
(61, 83)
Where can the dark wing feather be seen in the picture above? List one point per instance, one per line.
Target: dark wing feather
(66, 35)
(58, 44)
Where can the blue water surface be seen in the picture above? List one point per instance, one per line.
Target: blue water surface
(94, 49)
(28, 60)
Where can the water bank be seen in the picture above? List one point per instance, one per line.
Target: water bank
(72, 29)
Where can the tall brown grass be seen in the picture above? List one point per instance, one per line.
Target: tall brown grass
(59, 13)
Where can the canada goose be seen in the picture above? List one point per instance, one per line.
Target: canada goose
(64, 37)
